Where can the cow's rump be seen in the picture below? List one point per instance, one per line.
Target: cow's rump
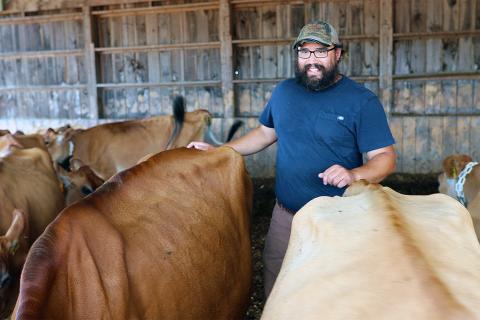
(378, 254)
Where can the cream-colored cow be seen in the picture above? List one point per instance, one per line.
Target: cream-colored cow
(378, 254)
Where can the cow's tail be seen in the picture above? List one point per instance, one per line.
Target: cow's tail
(233, 129)
(178, 118)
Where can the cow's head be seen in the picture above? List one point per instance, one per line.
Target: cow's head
(78, 183)
(9, 264)
(454, 164)
(58, 143)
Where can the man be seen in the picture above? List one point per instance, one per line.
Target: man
(323, 122)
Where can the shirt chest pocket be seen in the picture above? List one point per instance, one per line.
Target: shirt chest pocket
(335, 129)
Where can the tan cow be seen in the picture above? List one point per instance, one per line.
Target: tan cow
(378, 254)
(453, 165)
(23, 141)
(30, 198)
(113, 147)
(166, 239)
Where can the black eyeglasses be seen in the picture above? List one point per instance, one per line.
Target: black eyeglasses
(304, 53)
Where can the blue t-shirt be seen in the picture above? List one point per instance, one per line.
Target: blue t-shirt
(317, 129)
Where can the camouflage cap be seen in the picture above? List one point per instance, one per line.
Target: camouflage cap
(318, 31)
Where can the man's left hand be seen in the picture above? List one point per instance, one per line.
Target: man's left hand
(337, 176)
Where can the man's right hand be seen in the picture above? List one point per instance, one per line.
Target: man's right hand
(200, 145)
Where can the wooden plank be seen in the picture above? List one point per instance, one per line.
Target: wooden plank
(402, 102)
(434, 15)
(462, 143)
(465, 54)
(243, 99)
(355, 18)
(465, 96)
(448, 103)
(418, 56)
(433, 97)
(153, 62)
(449, 135)
(436, 154)
(476, 96)
(434, 46)
(396, 126)
(465, 11)
(419, 15)
(475, 138)
(422, 145)
(450, 15)
(402, 16)
(91, 73)
(449, 54)
(385, 56)
(226, 58)
(269, 53)
(409, 155)
(417, 98)
(402, 56)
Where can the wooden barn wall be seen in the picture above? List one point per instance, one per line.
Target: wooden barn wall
(89, 62)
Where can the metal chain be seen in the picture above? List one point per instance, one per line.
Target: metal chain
(461, 181)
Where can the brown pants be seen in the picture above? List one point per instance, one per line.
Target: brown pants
(276, 243)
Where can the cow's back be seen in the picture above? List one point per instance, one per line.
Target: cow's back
(379, 255)
(166, 239)
(112, 147)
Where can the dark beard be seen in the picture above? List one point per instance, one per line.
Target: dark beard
(315, 84)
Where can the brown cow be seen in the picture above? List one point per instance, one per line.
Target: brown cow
(378, 254)
(453, 165)
(30, 198)
(113, 147)
(78, 183)
(166, 239)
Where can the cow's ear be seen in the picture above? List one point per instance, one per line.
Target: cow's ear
(15, 231)
(49, 136)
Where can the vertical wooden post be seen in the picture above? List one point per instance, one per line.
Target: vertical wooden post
(90, 69)
(226, 58)
(386, 55)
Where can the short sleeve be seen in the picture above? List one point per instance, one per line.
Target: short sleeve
(266, 118)
(373, 131)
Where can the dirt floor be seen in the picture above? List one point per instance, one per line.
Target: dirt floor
(263, 201)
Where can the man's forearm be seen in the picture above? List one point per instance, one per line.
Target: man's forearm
(254, 141)
(377, 168)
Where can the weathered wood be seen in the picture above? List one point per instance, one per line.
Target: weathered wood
(396, 125)
(91, 72)
(226, 51)
(385, 56)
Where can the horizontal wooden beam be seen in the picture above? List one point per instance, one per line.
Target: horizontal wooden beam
(160, 47)
(273, 80)
(441, 114)
(257, 3)
(429, 35)
(160, 84)
(438, 76)
(273, 41)
(41, 19)
(41, 54)
(43, 88)
(157, 9)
